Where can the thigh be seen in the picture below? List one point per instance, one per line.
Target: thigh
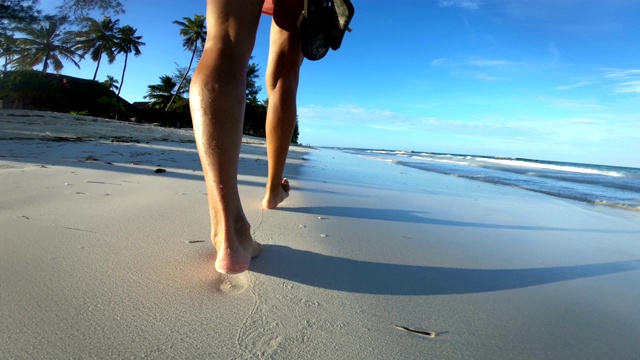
(284, 47)
(233, 22)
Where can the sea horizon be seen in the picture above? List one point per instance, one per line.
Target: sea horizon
(345, 148)
(607, 185)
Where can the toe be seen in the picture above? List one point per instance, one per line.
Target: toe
(285, 185)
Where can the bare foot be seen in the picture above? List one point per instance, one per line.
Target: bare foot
(234, 256)
(271, 201)
(236, 261)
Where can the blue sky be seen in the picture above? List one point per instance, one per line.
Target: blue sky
(543, 79)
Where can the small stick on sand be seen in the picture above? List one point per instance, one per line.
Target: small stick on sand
(420, 332)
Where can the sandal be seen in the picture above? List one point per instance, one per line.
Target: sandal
(322, 26)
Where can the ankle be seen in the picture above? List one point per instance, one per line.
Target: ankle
(273, 189)
(231, 235)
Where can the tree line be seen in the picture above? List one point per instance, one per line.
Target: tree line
(30, 40)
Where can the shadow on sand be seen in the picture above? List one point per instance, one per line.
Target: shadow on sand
(364, 277)
(179, 160)
(418, 217)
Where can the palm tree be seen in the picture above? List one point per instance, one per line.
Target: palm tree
(98, 38)
(17, 12)
(252, 88)
(111, 83)
(80, 8)
(7, 49)
(44, 43)
(178, 76)
(161, 95)
(128, 42)
(194, 33)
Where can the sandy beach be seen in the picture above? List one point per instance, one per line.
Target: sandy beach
(105, 253)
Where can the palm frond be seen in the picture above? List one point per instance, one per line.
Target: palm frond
(44, 43)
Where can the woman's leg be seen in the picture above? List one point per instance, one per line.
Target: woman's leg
(283, 73)
(217, 98)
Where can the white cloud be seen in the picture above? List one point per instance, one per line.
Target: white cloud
(476, 62)
(574, 86)
(628, 87)
(487, 77)
(618, 81)
(349, 115)
(574, 104)
(621, 73)
(623, 81)
(486, 126)
(493, 69)
(582, 121)
(465, 4)
(571, 138)
(577, 17)
(440, 62)
(492, 63)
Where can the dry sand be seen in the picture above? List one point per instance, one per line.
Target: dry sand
(102, 257)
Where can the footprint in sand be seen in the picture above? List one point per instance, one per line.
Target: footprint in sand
(230, 284)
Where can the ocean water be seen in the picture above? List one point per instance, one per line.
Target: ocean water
(595, 184)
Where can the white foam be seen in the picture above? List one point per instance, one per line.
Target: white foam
(617, 205)
(565, 168)
(441, 160)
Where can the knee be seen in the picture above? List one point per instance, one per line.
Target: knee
(283, 74)
(222, 48)
(222, 59)
(278, 85)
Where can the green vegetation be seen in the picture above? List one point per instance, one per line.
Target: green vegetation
(182, 75)
(80, 8)
(194, 33)
(97, 38)
(32, 45)
(111, 83)
(162, 94)
(128, 42)
(35, 90)
(81, 113)
(17, 12)
(43, 43)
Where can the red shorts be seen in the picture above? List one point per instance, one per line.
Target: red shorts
(267, 8)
